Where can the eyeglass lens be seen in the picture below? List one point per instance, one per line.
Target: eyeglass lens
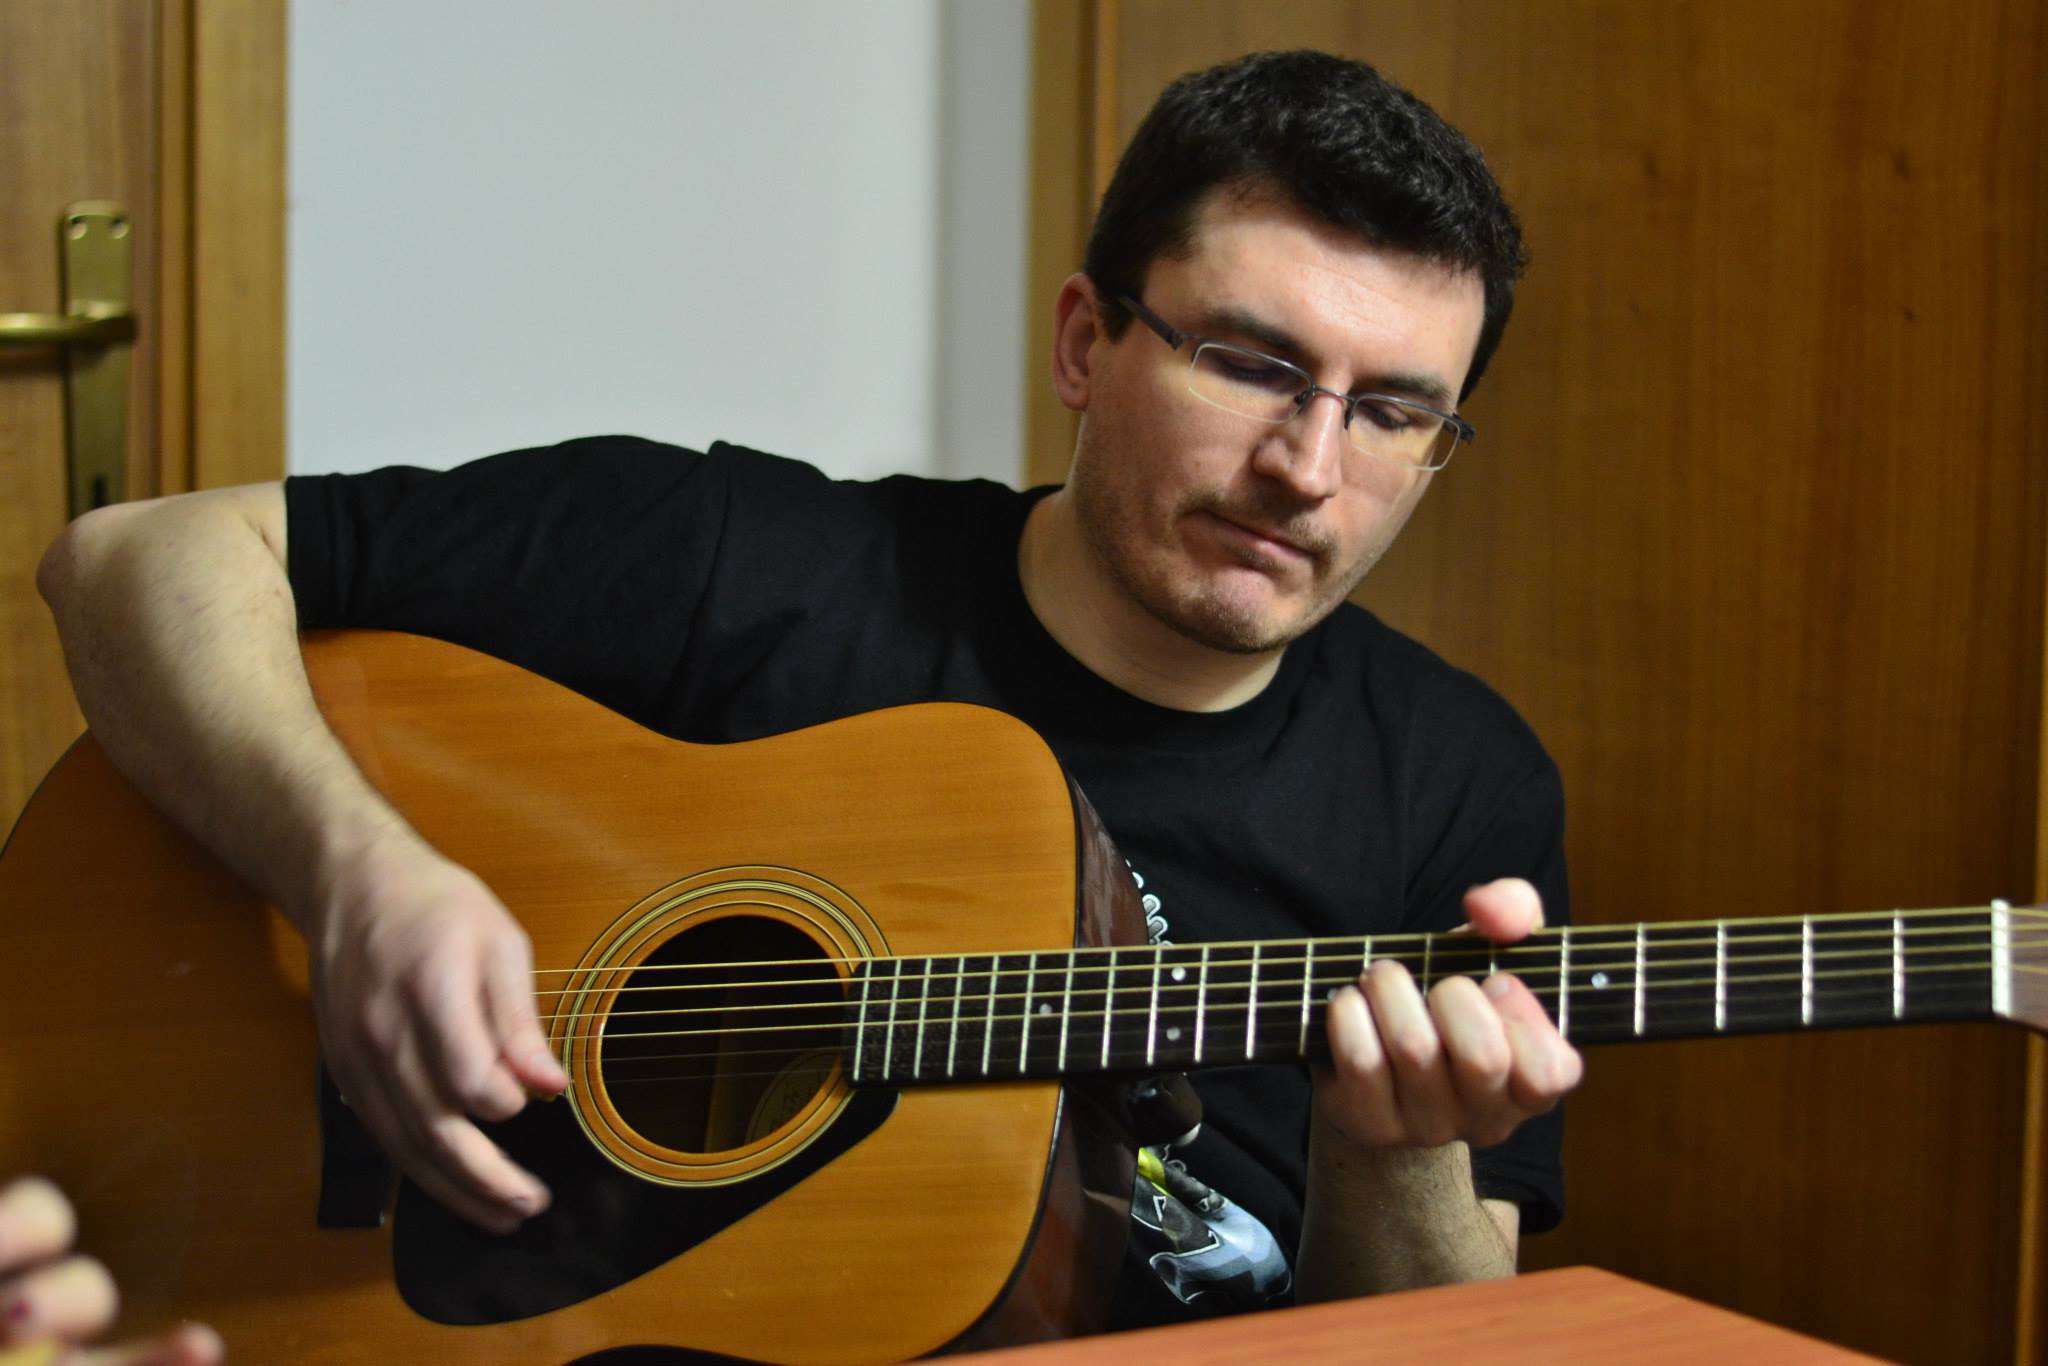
(1260, 387)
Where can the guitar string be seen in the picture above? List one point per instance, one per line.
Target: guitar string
(840, 1025)
(1424, 941)
(1918, 959)
(1188, 955)
(1061, 978)
(1584, 940)
(1174, 1053)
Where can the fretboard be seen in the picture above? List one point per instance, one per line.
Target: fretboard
(1178, 1007)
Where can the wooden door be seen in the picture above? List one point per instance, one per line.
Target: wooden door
(1753, 534)
(175, 110)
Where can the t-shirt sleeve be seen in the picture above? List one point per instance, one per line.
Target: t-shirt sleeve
(531, 556)
(585, 562)
(711, 596)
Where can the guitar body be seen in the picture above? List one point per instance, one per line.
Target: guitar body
(160, 1058)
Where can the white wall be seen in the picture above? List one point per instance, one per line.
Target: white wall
(798, 224)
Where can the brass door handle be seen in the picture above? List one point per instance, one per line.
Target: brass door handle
(97, 327)
(94, 246)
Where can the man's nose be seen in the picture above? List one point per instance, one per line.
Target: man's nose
(1308, 453)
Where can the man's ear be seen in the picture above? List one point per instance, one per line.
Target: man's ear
(1077, 326)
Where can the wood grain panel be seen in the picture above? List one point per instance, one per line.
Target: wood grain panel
(1063, 85)
(238, 242)
(1573, 1314)
(78, 88)
(134, 100)
(1753, 535)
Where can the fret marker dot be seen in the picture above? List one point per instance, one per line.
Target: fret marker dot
(1173, 1034)
(1180, 974)
(1599, 979)
(1045, 1007)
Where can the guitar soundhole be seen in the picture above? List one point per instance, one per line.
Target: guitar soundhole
(723, 1034)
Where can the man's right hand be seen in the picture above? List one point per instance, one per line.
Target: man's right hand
(181, 634)
(423, 989)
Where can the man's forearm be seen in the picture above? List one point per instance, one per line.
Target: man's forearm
(1381, 1219)
(181, 638)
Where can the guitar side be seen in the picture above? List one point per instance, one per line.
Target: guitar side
(160, 1056)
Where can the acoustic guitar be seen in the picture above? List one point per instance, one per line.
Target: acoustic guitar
(841, 1009)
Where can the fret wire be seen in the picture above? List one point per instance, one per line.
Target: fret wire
(1720, 974)
(924, 1001)
(1307, 974)
(1641, 931)
(1152, 1012)
(1024, 1034)
(860, 1023)
(1564, 980)
(1108, 993)
(1805, 971)
(1251, 1006)
(1898, 969)
(953, 1034)
(988, 1031)
(2001, 959)
(1066, 1013)
(1201, 1000)
(889, 1034)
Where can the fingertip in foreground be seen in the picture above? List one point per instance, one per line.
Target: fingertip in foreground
(1504, 910)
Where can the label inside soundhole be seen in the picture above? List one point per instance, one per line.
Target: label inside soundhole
(723, 1034)
(790, 1092)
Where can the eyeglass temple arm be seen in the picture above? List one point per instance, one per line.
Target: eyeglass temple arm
(1168, 333)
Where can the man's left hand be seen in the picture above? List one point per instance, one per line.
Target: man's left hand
(1469, 1061)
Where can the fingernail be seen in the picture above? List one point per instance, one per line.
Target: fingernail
(1497, 986)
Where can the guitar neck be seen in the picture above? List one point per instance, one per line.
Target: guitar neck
(1180, 1007)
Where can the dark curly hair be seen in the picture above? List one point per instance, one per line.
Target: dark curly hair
(1336, 138)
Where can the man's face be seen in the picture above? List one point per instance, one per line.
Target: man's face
(1239, 534)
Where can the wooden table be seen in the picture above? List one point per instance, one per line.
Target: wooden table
(1575, 1314)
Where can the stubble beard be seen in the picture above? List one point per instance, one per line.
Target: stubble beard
(1201, 612)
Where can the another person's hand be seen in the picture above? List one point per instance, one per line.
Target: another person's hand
(52, 1301)
(423, 989)
(1469, 1061)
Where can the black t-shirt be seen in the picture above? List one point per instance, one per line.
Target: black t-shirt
(731, 595)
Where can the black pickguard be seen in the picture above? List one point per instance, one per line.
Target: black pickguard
(605, 1227)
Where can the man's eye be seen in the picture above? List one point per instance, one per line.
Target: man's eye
(1392, 417)
(1254, 373)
